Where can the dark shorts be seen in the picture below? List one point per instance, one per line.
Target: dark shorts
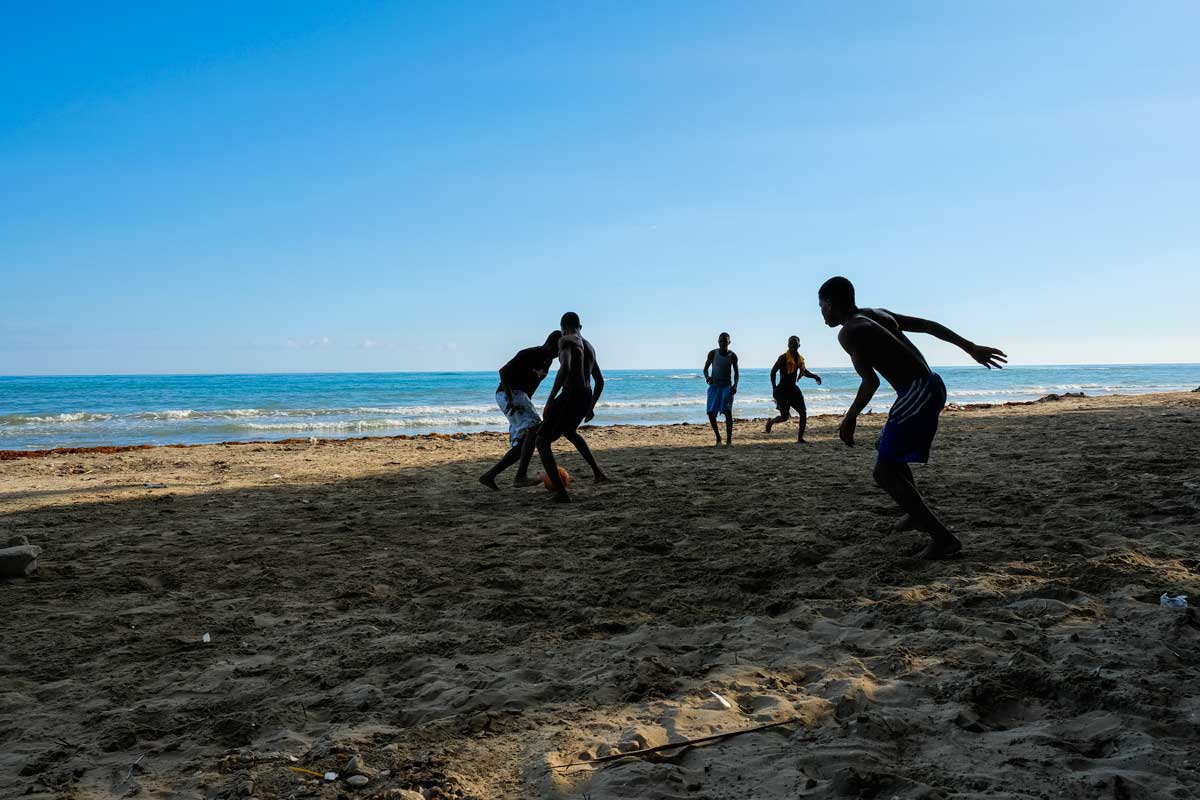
(720, 400)
(563, 416)
(789, 397)
(913, 421)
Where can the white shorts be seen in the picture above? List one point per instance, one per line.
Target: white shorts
(522, 417)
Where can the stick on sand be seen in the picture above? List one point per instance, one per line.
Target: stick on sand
(676, 745)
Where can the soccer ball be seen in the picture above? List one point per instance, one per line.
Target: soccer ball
(563, 476)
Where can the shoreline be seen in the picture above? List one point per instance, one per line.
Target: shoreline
(13, 455)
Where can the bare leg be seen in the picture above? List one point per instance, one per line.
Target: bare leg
(803, 419)
(728, 429)
(906, 521)
(773, 422)
(528, 444)
(488, 478)
(896, 480)
(582, 446)
(551, 467)
(712, 420)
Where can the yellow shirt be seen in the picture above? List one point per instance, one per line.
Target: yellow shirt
(795, 365)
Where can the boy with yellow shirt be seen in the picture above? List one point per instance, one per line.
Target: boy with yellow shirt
(790, 369)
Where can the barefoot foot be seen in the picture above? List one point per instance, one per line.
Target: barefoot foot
(905, 523)
(941, 549)
(562, 497)
(490, 482)
(521, 482)
(770, 424)
(602, 478)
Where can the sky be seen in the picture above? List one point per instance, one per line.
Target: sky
(314, 187)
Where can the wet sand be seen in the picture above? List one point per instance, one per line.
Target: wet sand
(370, 598)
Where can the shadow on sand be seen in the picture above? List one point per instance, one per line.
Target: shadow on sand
(488, 636)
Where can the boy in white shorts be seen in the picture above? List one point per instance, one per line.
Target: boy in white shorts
(519, 379)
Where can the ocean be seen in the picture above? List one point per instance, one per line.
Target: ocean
(47, 412)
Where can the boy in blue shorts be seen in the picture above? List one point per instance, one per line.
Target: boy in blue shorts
(876, 342)
(722, 386)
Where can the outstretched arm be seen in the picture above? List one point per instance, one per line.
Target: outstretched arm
(989, 357)
(812, 375)
(775, 371)
(866, 389)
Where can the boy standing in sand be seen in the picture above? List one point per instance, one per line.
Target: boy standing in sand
(722, 386)
(876, 342)
(790, 368)
(581, 382)
(519, 379)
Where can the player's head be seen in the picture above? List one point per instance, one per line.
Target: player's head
(723, 340)
(570, 323)
(793, 343)
(837, 301)
(551, 345)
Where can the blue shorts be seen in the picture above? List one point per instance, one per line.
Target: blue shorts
(720, 400)
(913, 421)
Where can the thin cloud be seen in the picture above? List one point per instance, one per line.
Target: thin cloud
(320, 343)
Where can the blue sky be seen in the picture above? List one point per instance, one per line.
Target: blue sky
(401, 186)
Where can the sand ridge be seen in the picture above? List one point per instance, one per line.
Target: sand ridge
(368, 598)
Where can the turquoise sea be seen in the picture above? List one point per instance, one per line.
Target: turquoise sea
(46, 412)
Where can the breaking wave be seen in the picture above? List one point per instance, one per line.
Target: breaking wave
(378, 424)
(52, 419)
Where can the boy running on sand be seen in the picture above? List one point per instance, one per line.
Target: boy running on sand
(722, 386)
(790, 368)
(876, 342)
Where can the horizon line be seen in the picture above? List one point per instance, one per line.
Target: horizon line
(487, 371)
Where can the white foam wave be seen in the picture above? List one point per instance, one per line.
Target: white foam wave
(241, 413)
(221, 413)
(168, 414)
(471, 409)
(1026, 392)
(53, 419)
(685, 376)
(699, 400)
(675, 403)
(378, 424)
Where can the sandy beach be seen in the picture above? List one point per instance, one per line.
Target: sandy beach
(368, 598)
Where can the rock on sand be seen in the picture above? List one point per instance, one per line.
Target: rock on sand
(18, 562)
